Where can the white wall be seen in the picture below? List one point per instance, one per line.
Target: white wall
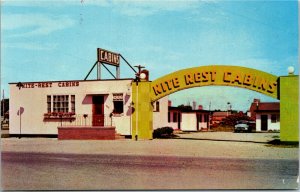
(202, 125)
(189, 122)
(271, 126)
(160, 119)
(34, 102)
(172, 124)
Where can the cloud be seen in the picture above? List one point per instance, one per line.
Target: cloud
(274, 67)
(29, 46)
(24, 25)
(146, 8)
(130, 8)
(51, 3)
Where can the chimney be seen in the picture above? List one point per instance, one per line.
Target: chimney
(200, 107)
(256, 100)
(169, 103)
(194, 105)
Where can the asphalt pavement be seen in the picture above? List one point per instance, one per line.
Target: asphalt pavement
(212, 160)
(40, 171)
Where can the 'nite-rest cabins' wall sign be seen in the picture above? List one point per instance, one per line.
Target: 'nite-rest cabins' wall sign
(215, 75)
(51, 84)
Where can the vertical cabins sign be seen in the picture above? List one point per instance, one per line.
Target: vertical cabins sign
(108, 57)
(215, 75)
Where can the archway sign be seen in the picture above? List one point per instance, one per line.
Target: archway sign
(283, 88)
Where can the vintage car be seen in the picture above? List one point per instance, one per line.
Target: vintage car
(244, 126)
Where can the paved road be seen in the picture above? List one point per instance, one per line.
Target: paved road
(54, 171)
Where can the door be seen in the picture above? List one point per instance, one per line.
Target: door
(98, 111)
(264, 122)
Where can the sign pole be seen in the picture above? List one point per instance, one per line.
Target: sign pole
(20, 121)
(118, 72)
(137, 112)
(99, 70)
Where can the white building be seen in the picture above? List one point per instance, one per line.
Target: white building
(160, 113)
(39, 108)
(266, 115)
(188, 120)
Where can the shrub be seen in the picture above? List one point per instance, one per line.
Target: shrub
(232, 119)
(163, 132)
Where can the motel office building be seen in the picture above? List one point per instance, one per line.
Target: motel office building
(39, 108)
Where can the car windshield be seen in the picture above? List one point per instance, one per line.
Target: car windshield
(241, 122)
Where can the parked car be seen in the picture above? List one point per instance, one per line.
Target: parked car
(244, 126)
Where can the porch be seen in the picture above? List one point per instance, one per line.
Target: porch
(87, 127)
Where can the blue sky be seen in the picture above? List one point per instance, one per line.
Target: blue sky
(57, 40)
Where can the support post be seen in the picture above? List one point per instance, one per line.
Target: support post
(289, 108)
(99, 70)
(142, 119)
(118, 72)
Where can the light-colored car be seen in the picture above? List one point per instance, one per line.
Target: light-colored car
(242, 126)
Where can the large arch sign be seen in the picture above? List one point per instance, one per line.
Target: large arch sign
(215, 75)
(283, 88)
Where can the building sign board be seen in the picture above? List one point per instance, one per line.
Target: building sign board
(215, 75)
(118, 96)
(51, 84)
(108, 57)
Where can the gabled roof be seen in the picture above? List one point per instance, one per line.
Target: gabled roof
(272, 106)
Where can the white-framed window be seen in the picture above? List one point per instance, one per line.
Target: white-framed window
(60, 103)
(275, 118)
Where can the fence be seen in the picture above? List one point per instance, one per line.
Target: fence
(82, 120)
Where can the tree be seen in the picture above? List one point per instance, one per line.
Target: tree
(232, 119)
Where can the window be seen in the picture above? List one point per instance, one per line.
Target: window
(73, 103)
(175, 117)
(48, 103)
(199, 118)
(275, 118)
(60, 103)
(156, 106)
(118, 103)
(206, 118)
(169, 117)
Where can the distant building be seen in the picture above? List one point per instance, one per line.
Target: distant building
(187, 119)
(266, 114)
(4, 107)
(218, 116)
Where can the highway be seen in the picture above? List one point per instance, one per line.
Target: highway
(55, 171)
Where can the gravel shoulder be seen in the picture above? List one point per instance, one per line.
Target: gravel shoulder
(200, 144)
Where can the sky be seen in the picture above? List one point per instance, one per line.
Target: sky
(58, 40)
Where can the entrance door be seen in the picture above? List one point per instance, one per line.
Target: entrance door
(98, 111)
(264, 122)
